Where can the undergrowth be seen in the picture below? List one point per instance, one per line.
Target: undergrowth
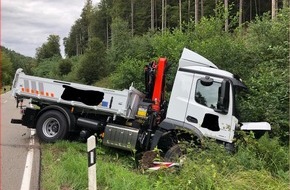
(258, 164)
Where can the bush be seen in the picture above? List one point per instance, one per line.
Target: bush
(128, 72)
(65, 66)
(47, 68)
(268, 98)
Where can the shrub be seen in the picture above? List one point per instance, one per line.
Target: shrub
(128, 72)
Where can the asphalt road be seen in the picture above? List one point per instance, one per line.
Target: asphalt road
(16, 142)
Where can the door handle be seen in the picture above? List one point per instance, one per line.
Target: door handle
(191, 119)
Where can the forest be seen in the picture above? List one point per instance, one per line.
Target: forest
(112, 41)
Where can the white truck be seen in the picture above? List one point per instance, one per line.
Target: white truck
(202, 104)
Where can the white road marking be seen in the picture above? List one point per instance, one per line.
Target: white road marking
(25, 185)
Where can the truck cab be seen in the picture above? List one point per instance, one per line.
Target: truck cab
(203, 100)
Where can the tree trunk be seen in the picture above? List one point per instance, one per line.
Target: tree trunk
(273, 9)
(107, 32)
(155, 14)
(162, 16)
(251, 9)
(215, 11)
(201, 8)
(256, 7)
(241, 13)
(226, 15)
(188, 11)
(165, 14)
(152, 14)
(77, 46)
(180, 14)
(196, 11)
(132, 17)
(259, 7)
(285, 3)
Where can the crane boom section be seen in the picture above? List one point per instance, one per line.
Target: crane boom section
(158, 92)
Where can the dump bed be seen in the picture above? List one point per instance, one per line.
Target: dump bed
(122, 103)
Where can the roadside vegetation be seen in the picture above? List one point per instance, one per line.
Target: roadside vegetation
(258, 164)
(257, 51)
(5, 89)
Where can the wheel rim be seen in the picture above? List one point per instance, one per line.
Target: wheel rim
(50, 127)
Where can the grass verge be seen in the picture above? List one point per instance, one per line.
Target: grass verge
(64, 167)
(5, 89)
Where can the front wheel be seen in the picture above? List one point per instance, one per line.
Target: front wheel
(52, 126)
(173, 153)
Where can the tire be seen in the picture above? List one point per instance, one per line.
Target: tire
(173, 153)
(51, 126)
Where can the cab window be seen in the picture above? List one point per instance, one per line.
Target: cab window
(207, 95)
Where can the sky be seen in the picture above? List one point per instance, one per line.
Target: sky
(26, 24)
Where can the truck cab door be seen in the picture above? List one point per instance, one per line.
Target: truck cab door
(210, 107)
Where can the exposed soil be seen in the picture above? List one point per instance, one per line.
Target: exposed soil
(147, 160)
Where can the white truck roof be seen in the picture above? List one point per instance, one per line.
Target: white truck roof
(209, 70)
(195, 63)
(190, 58)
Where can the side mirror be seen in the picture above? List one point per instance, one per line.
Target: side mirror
(206, 81)
(223, 98)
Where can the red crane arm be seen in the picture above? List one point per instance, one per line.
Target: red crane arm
(158, 92)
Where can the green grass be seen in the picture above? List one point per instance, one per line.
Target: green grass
(64, 167)
(7, 89)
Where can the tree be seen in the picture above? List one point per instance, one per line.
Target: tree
(92, 64)
(19, 61)
(86, 17)
(120, 41)
(76, 42)
(49, 49)
(6, 67)
(85, 32)
(100, 21)
(72, 42)
(142, 18)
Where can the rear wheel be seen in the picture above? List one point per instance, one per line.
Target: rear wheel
(52, 126)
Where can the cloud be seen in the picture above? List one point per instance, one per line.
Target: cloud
(27, 24)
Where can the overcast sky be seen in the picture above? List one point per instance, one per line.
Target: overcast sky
(26, 24)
